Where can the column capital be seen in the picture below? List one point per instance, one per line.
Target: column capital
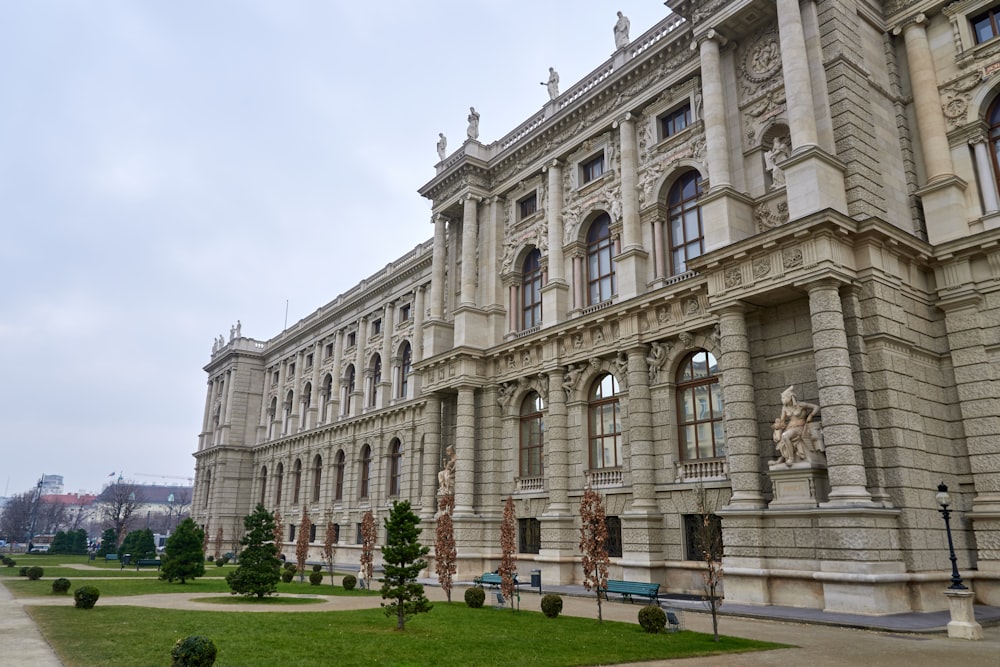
(912, 21)
(555, 163)
(627, 117)
(711, 35)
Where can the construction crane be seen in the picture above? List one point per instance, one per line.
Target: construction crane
(143, 474)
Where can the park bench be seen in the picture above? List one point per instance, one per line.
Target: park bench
(492, 579)
(629, 588)
(147, 562)
(110, 557)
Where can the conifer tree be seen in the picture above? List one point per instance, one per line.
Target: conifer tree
(257, 573)
(403, 557)
(183, 557)
(445, 553)
(593, 544)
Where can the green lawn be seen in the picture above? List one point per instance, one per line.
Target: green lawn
(20, 587)
(450, 635)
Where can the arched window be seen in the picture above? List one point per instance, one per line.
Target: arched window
(366, 472)
(339, 464)
(307, 395)
(395, 466)
(279, 478)
(317, 477)
(532, 436)
(687, 240)
(286, 419)
(349, 384)
(531, 290)
(376, 379)
(326, 396)
(404, 370)
(296, 481)
(600, 261)
(605, 423)
(263, 484)
(272, 413)
(699, 407)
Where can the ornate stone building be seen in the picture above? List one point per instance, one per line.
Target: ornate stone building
(750, 196)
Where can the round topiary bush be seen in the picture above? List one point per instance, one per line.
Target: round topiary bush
(551, 605)
(23, 572)
(350, 581)
(35, 573)
(287, 576)
(193, 651)
(85, 597)
(210, 559)
(652, 619)
(220, 562)
(226, 559)
(315, 578)
(291, 566)
(61, 585)
(317, 568)
(475, 597)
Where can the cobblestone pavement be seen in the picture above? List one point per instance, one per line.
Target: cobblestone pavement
(817, 644)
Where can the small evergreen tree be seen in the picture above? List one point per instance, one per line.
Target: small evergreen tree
(369, 534)
(257, 573)
(60, 544)
(109, 542)
(330, 546)
(140, 544)
(445, 554)
(302, 543)
(78, 541)
(508, 546)
(593, 544)
(183, 558)
(402, 555)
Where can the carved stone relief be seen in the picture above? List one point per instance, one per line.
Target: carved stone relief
(768, 218)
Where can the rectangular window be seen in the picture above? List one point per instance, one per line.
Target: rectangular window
(698, 537)
(673, 122)
(404, 313)
(527, 206)
(984, 26)
(592, 169)
(312, 532)
(614, 541)
(309, 361)
(358, 537)
(376, 327)
(291, 532)
(328, 350)
(529, 536)
(352, 339)
(291, 370)
(274, 378)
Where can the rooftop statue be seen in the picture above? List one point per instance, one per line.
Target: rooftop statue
(442, 145)
(552, 85)
(473, 130)
(621, 31)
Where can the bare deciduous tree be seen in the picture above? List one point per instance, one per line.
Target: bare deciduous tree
(445, 553)
(117, 505)
(218, 543)
(279, 532)
(594, 544)
(330, 546)
(302, 544)
(708, 541)
(508, 547)
(369, 534)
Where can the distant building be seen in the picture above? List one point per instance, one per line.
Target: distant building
(620, 292)
(51, 485)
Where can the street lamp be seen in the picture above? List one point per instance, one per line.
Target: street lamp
(943, 499)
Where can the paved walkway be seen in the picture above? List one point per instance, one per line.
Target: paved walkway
(820, 639)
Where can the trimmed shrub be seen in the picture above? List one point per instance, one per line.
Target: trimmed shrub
(193, 651)
(226, 559)
(291, 567)
(61, 585)
(552, 605)
(350, 581)
(35, 573)
(220, 563)
(85, 597)
(287, 576)
(652, 619)
(475, 597)
(317, 568)
(210, 559)
(315, 578)
(23, 572)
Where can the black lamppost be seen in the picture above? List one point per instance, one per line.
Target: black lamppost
(943, 499)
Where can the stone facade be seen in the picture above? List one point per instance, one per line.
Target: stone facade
(749, 196)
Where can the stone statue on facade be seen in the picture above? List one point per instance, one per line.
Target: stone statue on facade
(239, 329)
(655, 359)
(552, 85)
(622, 26)
(571, 377)
(778, 153)
(795, 433)
(473, 131)
(442, 145)
(232, 333)
(446, 477)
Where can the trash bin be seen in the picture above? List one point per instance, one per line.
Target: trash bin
(536, 580)
(93, 556)
(126, 559)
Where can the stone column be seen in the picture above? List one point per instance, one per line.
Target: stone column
(984, 170)
(465, 450)
(740, 410)
(417, 348)
(205, 421)
(556, 445)
(714, 109)
(293, 426)
(513, 308)
(358, 397)
(555, 290)
(838, 409)
(631, 261)
(642, 459)
(314, 409)
(659, 250)
(437, 269)
(386, 385)
(432, 455)
(264, 401)
(579, 301)
(470, 244)
(227, 407)
(338, 360)
(795, 71)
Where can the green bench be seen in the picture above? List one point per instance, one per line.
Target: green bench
(493, 580)
(147, 562)
(110, 557)
(629, 588)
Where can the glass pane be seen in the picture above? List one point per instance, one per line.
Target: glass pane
(595, 293)
(698, 366)
(691, 227)
(693, 249)
(687, 406)
(680, 266)
(618, 451)
(716, 400)
(688, 442)
(604, 261)
(713, 364)
(593, 265)
(595, 453)
(702, 398)
(676, 229)
(720, 438)
(609, 453)
(705, 440)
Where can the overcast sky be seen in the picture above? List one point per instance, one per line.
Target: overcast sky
(167, 168)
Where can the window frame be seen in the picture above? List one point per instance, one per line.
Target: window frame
(340, 464)
(405, 369)
(600, 250)
(677, 209)
(613, 544)
(716, 424)
(317, 480)
(593, 168)
(532, 278)
(596, 405)
(365, 473)
(529, 536)
(395, 481)
(666, 121)
(531, 427)
(527, 206)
